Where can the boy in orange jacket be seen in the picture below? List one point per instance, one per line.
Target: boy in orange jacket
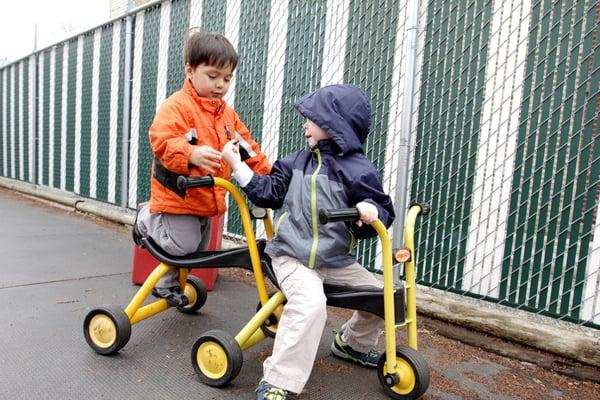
(187, 136)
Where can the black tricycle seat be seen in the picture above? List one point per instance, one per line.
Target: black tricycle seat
(238, 257)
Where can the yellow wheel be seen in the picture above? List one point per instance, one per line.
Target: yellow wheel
(411, 379)
(196, 293)
(106, 329)
(217, 358)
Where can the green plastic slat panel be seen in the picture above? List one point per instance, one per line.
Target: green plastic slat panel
(86, 111)
(302, 71)
(250, 80)
(213, 15)
(147, 99)
(179, 25)
(17, 112)
(45, 134)
(369, 62)
(555, 185)
(9, 119)
(58, 91)
(104, 92)
(71, 102)
(25, 112)
(453, 76)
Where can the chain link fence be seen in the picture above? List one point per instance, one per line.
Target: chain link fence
(502, 122)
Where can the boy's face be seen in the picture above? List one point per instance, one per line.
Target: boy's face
(208, 80)
(313, 133)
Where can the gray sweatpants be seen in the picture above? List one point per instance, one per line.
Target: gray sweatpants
(176, 234)
(304, 316)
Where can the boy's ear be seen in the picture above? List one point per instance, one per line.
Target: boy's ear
(188, 70)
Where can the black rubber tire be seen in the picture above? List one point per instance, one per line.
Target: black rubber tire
(198, 298)
(107, 329)
(419, 372)
(217, 358)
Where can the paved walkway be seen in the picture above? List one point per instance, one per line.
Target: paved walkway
(57, 264)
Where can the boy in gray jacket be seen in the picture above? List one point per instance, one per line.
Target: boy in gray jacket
(332, 173)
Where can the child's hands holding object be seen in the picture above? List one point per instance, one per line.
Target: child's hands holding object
(368, 213)
(231, 154)
(206, 158)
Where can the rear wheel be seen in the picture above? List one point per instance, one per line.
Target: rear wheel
(217, 358)
(411, 379)
(196, 293)
(107, 329)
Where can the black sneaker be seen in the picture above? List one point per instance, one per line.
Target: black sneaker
(341, 349)
(173, 295)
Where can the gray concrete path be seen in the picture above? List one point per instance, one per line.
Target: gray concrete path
(56, 265)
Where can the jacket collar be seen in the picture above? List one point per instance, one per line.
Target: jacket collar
(212, 106)
(327, 146)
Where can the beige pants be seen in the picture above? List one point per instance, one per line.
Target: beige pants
(304, 316)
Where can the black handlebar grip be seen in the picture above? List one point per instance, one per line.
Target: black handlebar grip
(342, 214)
(184, 182)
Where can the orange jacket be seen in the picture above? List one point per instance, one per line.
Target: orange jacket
(183, 116)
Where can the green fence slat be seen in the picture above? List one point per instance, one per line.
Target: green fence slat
(302, 70)
(369, 62)
(86, 111)
(71, 114)
(25, 112)
(448, 125)
(104, 107)
(147, 99)
(18, 120)
(58, 91)
(213, 15)
(45, 134)
(250, 82)
(180, 21)
(529, 271)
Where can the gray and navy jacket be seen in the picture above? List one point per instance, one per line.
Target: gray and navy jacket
(333, 174)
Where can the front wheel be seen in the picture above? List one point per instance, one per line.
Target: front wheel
(411, 379)
(217, 358)
(107, 329)
(196, 293)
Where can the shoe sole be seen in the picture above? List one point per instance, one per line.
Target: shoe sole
(187, 302)
(341, 354)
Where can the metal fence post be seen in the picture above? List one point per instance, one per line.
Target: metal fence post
(404, 151)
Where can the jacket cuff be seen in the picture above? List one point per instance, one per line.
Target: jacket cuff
(243, 175)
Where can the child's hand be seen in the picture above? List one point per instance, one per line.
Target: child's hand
(368, 213)
(231, 154)
(206, 158)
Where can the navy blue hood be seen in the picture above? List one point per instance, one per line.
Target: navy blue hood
(343, 111)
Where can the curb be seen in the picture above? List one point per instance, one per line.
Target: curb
(565, 339)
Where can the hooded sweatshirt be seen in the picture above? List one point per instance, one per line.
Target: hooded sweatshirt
(333, 174)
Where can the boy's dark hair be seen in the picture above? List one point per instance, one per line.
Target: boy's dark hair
(209, 48)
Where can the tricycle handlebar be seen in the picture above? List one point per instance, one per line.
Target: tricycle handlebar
(184, 182)
(342, 214)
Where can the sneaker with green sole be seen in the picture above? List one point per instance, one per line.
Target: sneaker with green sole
(341, 349)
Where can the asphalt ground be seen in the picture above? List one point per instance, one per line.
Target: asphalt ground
(57, 264)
